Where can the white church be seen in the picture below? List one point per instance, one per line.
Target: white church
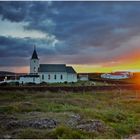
(49, 73)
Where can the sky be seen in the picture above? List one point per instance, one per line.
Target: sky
(90, 36)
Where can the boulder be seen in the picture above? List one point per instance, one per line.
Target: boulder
(92, 126)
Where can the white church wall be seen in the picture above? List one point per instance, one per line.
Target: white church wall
(53, 77)
(71, 77)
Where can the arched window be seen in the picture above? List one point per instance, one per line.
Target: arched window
(49, 77)
(61, 77)
(55, 76)
(42, 77)
(34, 69)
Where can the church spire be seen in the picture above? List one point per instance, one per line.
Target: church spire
(34, 55)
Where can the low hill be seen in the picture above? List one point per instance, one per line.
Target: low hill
(6, 73)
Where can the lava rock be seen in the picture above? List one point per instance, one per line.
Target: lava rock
(92, 126)
(4, 120)
(73, 121)
(38, 123)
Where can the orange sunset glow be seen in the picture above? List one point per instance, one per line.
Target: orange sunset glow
(127, 62)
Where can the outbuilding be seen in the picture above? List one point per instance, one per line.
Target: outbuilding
(29, 79)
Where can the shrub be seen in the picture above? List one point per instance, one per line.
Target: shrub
(114, 116)
(30, 84)
(63, 132)
(31, 134)
(43, 83)
(6, 109)
(4, 84)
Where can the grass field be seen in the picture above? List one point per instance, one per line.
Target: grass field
(117, 115)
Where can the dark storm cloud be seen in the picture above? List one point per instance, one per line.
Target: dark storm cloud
(17, 51)
(82, 28)
(18, 47)
(14, 47)
(13, 11)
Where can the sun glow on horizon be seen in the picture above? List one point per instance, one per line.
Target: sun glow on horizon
(129, 64)
(24, 69)
(133, 67)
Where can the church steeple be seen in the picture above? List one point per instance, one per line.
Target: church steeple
(34, 62)
(34, 55)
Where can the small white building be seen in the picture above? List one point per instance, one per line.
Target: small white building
(83, 77)
(29, 79)
(116, 75)
(49, 73)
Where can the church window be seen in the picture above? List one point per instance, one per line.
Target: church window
(34, 61)
(49, 77)
(42, 77)
(34, 69)
(61, 77)
(55, 76)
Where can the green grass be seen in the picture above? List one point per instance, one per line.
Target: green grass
(119, 112)
(61, 132)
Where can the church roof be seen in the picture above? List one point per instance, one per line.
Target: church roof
(34, 55)
(52, 68)
(55, 68)
(70, 69)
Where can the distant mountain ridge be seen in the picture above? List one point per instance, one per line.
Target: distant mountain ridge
(6, 72)
(3, 73)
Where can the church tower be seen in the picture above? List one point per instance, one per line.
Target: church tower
(34, 62)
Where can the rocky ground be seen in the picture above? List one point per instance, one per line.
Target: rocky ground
(12, 125)
(63, 115)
